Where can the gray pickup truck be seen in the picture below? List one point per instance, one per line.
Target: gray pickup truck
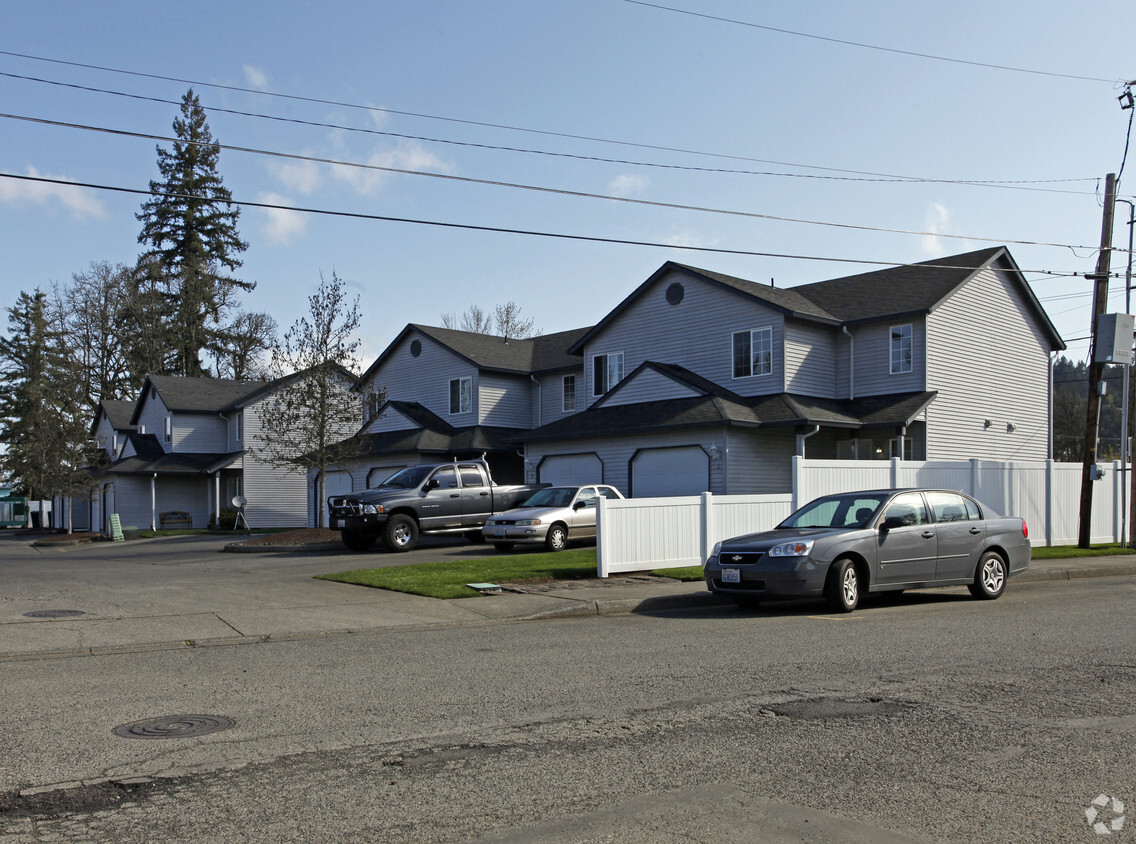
(438, 498)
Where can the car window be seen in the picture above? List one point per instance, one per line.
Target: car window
(557, 496)
(909, 508)
(948, 507)
(608, 492)
(837, 511)
(471, 475)
(446, 477)
(972, 509)
(588, 496)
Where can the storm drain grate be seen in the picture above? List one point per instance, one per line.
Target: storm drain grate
(53, 613)
(174, 726)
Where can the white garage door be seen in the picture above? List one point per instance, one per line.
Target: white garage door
(380, 473)
(659, 472)
(336, 483)
(571, 470)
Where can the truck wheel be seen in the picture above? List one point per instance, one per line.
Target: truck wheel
(401, 533)
(557, 538)
(358, 541)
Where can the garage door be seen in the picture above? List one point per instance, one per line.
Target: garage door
(659, 472)
(336, 483)
(571, 470)
(380, 473)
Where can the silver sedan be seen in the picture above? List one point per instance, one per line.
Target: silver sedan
(841, 547)
(553, 516)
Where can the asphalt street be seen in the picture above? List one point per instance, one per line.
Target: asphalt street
(930, 717)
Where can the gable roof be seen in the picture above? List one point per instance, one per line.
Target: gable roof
(907, 289)
(493, 352)
(433, 435)
(118, 414)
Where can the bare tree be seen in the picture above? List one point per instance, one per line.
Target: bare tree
(239, 348)
(505, 321)
(303, 423)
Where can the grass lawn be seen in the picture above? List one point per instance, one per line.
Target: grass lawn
(448, 579)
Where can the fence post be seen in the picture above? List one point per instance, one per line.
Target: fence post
(1049, 493)
(895, 473)
(706, 524)
(973, 477)
(797, 469)
(1116, 496)
(603, 544)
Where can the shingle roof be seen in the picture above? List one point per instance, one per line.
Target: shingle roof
(200, 395)
(118, 414)
(150, 457)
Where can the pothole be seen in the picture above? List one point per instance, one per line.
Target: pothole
(174, 726)
(821, 708)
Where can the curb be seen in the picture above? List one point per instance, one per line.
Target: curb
(246, 548)
(1038, 575)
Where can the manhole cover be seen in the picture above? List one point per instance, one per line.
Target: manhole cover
(53, 613)
(174, 726)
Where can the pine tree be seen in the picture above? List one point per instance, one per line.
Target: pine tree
(190, 225)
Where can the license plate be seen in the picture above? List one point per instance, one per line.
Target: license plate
(731, 575)
(499, 532)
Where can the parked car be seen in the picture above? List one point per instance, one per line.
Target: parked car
(554, 516)
(844, 546)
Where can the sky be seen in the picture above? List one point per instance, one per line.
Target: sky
(555, 154)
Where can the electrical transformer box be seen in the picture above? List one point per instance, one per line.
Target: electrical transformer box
(1114, 338)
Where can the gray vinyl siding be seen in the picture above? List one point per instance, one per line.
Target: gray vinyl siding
(132, 498)
(152, 419)
(873, 358)
(196, 433)
(648, 386)
(758, 462)
(503, 401)
(999, 373)
(810, 360)
(549, 397)
(424, 379)
(391, 420)
(697, 334)
(277, 497)
(104, 435)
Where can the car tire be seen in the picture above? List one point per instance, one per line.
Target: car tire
(746, 602)
(843, 586)
(557, 538)
(357, 540)
(990, 577)
(475, 536)
(401, 533)
(503, 546)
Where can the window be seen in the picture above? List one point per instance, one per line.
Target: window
(471, 475)
(909, 508)
(461, 395)
(893, 448)
(169, 428)
(446, 477)
(569, 393)
(753, 352)
(607, 371)
(901, 349)
(238, 426)
(949, 507)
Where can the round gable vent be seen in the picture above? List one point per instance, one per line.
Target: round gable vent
(415, 348)
(675, 293)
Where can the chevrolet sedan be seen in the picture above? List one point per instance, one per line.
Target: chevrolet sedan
(553, 517)
(841, 547)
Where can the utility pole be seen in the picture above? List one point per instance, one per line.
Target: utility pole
(1096, 369)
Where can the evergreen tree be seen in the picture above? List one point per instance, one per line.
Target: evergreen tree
(190, 226)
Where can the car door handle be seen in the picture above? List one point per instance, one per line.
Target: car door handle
(928, 534)
(455, 495)
(976, 531)
(484, 494)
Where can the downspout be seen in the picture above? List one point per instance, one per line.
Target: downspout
(154, 501)
(801, 440)
(217, 497)
(851, 361)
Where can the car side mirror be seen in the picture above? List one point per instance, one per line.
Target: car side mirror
(431, 484)
(893, 522)
(579, 505)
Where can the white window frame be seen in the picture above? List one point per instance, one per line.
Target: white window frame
(464, 396)
(897, 334)
(568, 391)
(893, 446)
(613, 372)
(169, 428)
(757, 338)
(239, 427)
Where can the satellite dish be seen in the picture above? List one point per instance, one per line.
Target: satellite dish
(239, 501)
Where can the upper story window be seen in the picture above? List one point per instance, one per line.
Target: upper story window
(239, 425)
(901, 348)
(569, 393)
(753, 352)
(607, 371)
(461, 395)
(169, 428)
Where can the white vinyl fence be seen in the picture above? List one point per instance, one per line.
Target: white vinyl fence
(655, 533)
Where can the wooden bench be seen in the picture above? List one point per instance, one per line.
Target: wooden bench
(175, 518)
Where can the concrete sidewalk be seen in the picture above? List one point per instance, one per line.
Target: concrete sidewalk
(224, 606)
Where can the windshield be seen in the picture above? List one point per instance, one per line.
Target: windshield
(555, 496)
(837, 511)
(408, 478)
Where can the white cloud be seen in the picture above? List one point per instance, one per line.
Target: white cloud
(405, 157)
(255, 77)
(81, 202)
(689, 237)
(628, 185)
(938, 222)
(282, 225)
(300, 176)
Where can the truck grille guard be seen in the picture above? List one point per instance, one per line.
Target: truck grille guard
(345, 507)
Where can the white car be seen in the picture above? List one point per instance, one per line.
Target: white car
(554, 516)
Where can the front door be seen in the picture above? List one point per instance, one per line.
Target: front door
(907, 549)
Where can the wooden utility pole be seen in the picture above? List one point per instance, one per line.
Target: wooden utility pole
(1096, 369)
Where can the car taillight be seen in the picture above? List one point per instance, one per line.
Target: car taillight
(1025, 529)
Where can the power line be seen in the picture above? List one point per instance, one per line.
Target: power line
(856, 175)
(864, 46)
(498, 229)
(538, 188)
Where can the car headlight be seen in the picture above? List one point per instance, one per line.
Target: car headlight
(370, 509)
(792, 549)
(717, 549)
(527, 522)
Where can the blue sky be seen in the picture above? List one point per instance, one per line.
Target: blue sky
(684, 110)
